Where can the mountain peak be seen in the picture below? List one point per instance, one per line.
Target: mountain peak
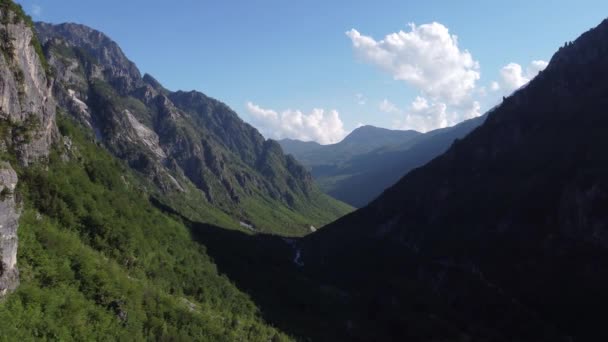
(377, 136)
(101, 51)
(369, 131)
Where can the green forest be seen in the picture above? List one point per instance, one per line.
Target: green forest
(98, 262)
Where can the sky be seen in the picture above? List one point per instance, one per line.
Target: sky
(317, 69)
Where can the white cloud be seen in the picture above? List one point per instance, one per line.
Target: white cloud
(424, 115)
(420, 104)
(322, 126)
(536, 67)
(513, 76)
(361, 100)
(427, 57)
(388, 107)
(473, 111)
(36, 10)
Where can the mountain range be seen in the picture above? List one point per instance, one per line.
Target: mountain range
(132, 212)
(193, 148)
(371, 159)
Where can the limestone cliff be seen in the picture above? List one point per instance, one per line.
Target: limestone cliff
(186, 143)
(27, 123)
(9, 216)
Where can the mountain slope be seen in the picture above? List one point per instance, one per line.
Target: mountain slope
(96, 259)
(196, 149)
(507, 229)
(360, 177)
(98, 262)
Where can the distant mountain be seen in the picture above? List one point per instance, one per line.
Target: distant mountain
(360, 141)
(297, 147)
(371, 159)
(198, 152)
(370, 137)
(504, 237)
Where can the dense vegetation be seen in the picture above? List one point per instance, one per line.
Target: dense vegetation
(99, 262)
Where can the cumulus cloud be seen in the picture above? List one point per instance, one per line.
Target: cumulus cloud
(473, 112)
(513, 76)
(424, 115)
(427, 57)
(322, 126)
(536, 67)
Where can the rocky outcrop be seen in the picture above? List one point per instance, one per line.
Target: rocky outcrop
(103, 58)
(25, 91)
(27, 121)
(9, 218)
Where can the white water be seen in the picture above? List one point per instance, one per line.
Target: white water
(298, 252)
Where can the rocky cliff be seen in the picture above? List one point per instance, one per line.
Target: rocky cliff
(27, 123)
(9, 217)
(185, 142)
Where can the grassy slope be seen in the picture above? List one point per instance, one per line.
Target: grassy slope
(99, 262)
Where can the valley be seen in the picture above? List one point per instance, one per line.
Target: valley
(132, 212)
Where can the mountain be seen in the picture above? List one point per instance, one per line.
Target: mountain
(298, 147)
(502, 237)
(369, 138)
(101, 172)
(109, 182)
(356, 175)
(202, 157)
(360, 141)
(27, 125)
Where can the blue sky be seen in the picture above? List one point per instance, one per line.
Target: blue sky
(289, 67)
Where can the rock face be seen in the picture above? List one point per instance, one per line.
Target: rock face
(25, 91)
(103, 57)
(183, 141)
(169, 135)
(9, 217)
(27, 120)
